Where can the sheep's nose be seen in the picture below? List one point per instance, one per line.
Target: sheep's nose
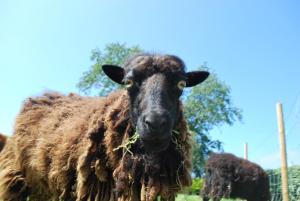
(156, 121)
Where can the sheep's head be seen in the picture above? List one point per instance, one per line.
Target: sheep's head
(154, 84)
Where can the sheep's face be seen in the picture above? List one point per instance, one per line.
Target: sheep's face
(154, 85)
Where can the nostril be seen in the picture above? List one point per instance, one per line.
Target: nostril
(148, 122)
(163, 122)
(155, 122)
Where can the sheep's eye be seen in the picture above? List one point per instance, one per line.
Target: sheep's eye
(181, 84)
(129, 83)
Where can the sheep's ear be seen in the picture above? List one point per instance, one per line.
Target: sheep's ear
(196, 77)
(115, 73)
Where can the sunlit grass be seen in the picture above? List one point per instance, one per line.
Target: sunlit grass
(182, 197)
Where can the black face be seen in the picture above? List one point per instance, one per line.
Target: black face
(155, 104)
(154, 85)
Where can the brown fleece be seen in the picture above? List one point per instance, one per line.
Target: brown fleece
(63, 149)
(2, 141)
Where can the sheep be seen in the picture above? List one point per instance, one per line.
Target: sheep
(231, 177)
(132, 145)
(2, 141)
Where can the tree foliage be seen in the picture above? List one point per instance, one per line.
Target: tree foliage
(94, 79)
(206, 106)
(196, 187)
(293, 183)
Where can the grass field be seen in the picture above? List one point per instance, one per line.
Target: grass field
(183, 197)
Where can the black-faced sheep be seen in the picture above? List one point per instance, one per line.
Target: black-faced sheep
(228, 176)
(2, 141)
(131, 145)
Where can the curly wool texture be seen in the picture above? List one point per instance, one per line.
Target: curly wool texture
(63, 149)
(2, 141)
(231, 177)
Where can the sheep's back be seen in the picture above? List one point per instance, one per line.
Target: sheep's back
(50, 134)
(246, 179)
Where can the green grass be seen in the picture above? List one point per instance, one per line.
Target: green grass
(182, 197)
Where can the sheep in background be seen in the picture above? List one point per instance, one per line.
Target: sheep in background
(228, 176)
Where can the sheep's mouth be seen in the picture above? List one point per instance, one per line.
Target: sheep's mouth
(156, 145)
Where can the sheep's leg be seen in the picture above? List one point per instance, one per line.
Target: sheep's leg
(171, 198)
(218, 194)
(13, 186)
(205, 192)
(216, 199)
(205, 198)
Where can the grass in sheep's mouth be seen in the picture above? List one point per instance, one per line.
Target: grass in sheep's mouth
(175, 132)
(128, 143)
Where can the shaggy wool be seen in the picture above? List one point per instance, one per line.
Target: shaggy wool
(66, 148)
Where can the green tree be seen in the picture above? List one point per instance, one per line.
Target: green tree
(293, 183)
(206, 106)
(94, 79)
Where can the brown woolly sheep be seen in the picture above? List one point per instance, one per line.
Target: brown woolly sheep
(228, 176)
(129, 146)
(2, 141)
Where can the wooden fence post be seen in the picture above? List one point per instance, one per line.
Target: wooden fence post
(284, 171)
(246, 151)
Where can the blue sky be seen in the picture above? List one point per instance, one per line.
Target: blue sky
(252, 45)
